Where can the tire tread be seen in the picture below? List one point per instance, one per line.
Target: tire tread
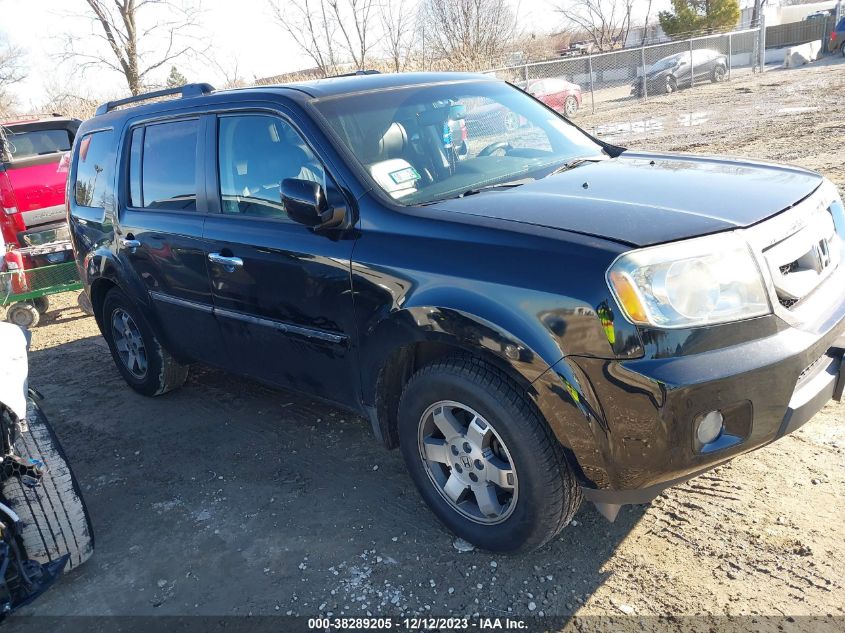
(54, 518)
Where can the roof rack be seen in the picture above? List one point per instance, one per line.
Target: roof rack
(186, 91)
(356, 73)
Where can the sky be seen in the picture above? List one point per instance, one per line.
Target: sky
(239, 32)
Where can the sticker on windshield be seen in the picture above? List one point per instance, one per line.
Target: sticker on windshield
(406, 174)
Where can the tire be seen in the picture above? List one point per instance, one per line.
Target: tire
(54, 519)
(570, 106)
(23, 314)
(671, 85)
(150, 369)
(42, 304)
(842, 50)
(719, 73)
(545, 494)
(84, 304)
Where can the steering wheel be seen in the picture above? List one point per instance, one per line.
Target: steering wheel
(495, 147)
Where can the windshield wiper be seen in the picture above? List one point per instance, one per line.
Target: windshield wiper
(498, 185)
(574, 163)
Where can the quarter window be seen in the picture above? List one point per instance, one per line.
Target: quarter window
(94, 169)
(255, 154)
(168, 166)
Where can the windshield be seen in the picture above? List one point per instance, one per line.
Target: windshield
(29, 143)
(667, 62)
(430, 142)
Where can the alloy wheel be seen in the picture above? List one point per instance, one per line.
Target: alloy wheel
(129, 343)
(467, 462)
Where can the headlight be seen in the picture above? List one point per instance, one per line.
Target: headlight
(695, 282)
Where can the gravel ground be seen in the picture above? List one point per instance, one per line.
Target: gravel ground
(227, 498)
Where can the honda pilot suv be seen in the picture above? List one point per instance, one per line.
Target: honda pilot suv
(547, 319)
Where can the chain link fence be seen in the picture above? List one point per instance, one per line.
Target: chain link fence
(610, 80)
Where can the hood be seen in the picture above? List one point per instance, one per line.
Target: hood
(643, 198)
(654, 74)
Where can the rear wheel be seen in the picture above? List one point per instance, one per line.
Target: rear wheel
(23, 314)
(483, 459)
(671, 85)
(54, 519)
(42, 304)
(139, 355)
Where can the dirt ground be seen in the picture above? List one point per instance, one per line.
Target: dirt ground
(227, 498)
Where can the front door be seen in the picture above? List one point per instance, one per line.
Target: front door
(281, 292)
(160, 235)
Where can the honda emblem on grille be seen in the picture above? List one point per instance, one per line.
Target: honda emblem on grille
(822, 250)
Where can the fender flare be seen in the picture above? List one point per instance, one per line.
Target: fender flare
(100, 266)
(497, 334)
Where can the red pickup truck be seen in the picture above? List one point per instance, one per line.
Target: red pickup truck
(32, 179)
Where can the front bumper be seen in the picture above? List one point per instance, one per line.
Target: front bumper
(638, 437)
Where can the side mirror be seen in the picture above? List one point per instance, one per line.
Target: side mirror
(305, 202)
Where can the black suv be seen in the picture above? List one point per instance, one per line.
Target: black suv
(539, 317)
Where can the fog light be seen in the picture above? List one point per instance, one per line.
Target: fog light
(709, 427)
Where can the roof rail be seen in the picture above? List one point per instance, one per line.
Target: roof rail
(186, 91)
(357, 72)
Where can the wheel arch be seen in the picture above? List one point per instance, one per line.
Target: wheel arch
(417, 335)
(107, 275)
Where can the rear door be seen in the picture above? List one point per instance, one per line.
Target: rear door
(160, 233)
(282, 293)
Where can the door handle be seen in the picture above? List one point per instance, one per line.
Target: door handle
(228, 263)
(130, 243)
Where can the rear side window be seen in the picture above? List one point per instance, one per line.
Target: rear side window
(94, 169)
(163, 166)
(26, 144)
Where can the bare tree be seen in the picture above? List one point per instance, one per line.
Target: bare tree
(353, 18)
(469, 34)
(70, 102)
(329, 32)
(645, 24)
(311, 26)
(606, 22)
(231, 73)
(396, 22)
(11, 70)
(134, 40)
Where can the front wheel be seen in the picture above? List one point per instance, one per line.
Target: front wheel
(719, 73)
(570, 107)
(139, 355)
(671, 85)
(483, 459)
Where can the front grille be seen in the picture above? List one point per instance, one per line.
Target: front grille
(801, 261)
